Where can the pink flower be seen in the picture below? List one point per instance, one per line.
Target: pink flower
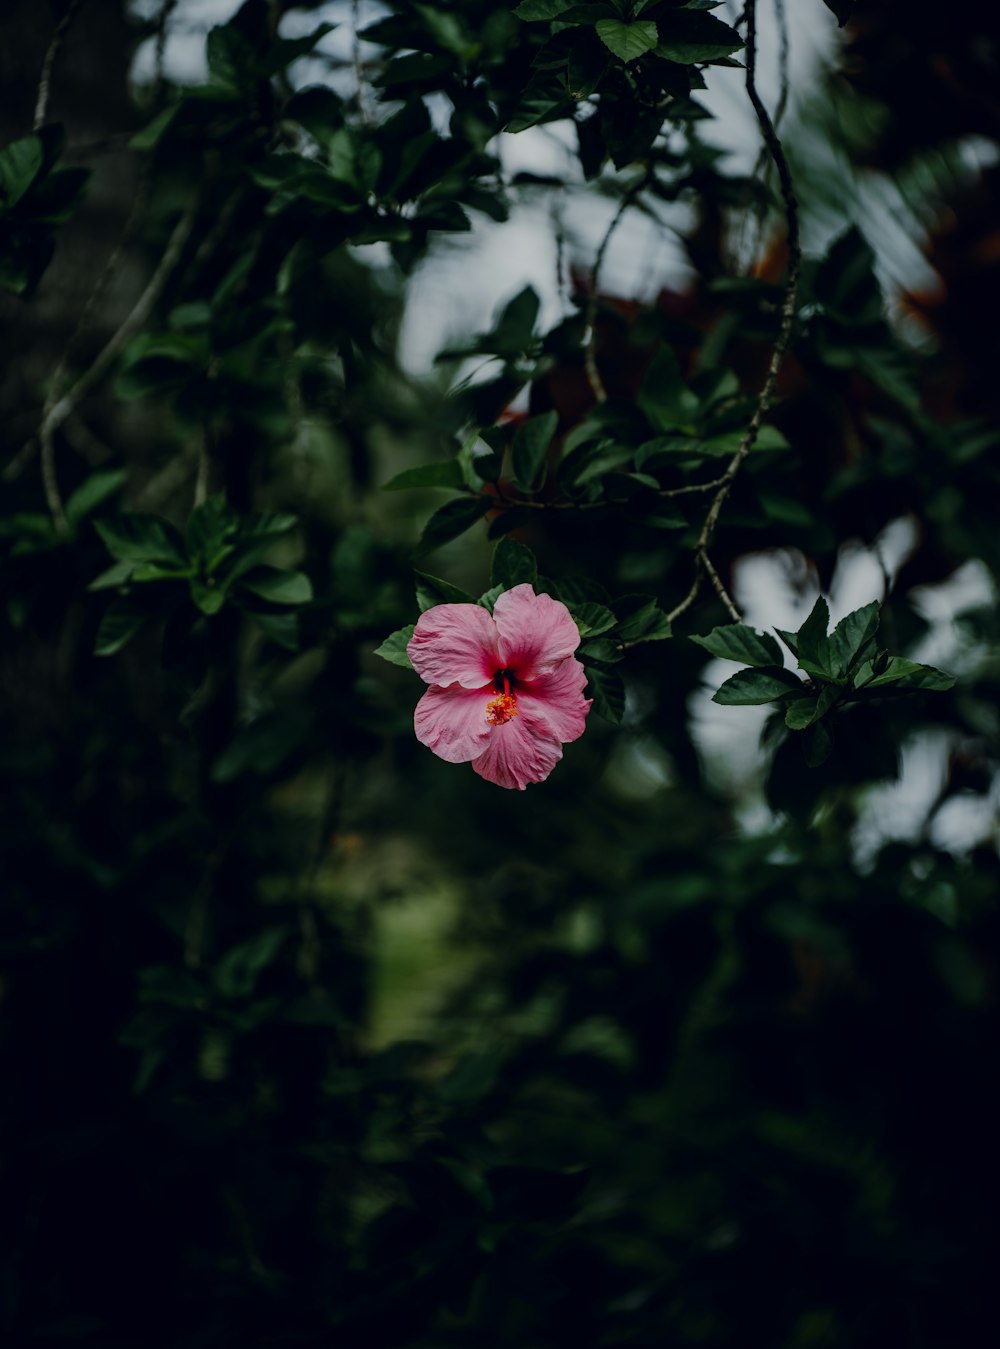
(506, 693)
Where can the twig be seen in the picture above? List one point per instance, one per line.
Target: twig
(65, 406)
(590, 350)
(781, 342)
(45, 79)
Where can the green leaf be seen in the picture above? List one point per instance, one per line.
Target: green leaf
(813, 646)
(393, 649)
(532, 11)
(663, 396)
(282, 629)
(20, 164)
(116, 575)
(747, 688)
(489, 597)
(141, 538)
(628, 41)
(817, 744)
(909, 674)
(278, 586)
(431, 590)
(801, 712)
(640, 619)
(736, 641)
(122, 620)
(151, 134)
(207, 595)
(513, 564)
(853, 635)
(267, 526)
(230, 58)
(531, 441)
(209, 527)
(592, 619)
(692, 36)
(600, 649)
(608, 692)
(445, 473)
(93, 492)
(450, 521)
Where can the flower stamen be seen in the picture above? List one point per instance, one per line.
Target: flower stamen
(502, 708)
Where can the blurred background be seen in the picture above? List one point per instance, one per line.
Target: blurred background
(311, 1038)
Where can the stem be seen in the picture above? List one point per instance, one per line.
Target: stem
(45, 79)
(784, 333)
(53, 416)
(590, 350)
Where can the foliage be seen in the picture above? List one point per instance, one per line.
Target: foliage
(335, 1042)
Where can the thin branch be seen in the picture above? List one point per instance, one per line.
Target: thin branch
(784, 333)
(590, 350)
(54, 416)
(45, 79)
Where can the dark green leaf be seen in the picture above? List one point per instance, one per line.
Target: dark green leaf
(445, 473)
(154, 131)
(209, 527)
(20, 164)
(853, 635)
(909, 674)
(628, 41)
(531, 11)
(207, 596)
(608, 692)
(748, 687)
(663, 396)
(640, 619)
(123, 619)
(592, 619)
(801, 712)
(393, 649)
(817, 744)
(600, 649)
(431, 590)
(451, 521)
(282, 629)
(692, 36)
(141, 538)
(93, 492)
(116, 575)
(531, 441)
(813, 646)
(735, 641)
(278, 586)
(513, 564)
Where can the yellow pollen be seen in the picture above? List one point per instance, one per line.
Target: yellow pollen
(501, 709)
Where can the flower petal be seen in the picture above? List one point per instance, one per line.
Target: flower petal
(518, 754)
(452, 721)
(455, 644)
(554, 703)
(536, 632)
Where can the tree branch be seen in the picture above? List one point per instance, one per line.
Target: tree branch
(766, 394)
(590, 350)
(55, 414)
(45, 79)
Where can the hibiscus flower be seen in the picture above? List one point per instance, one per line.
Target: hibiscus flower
(506, 692)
